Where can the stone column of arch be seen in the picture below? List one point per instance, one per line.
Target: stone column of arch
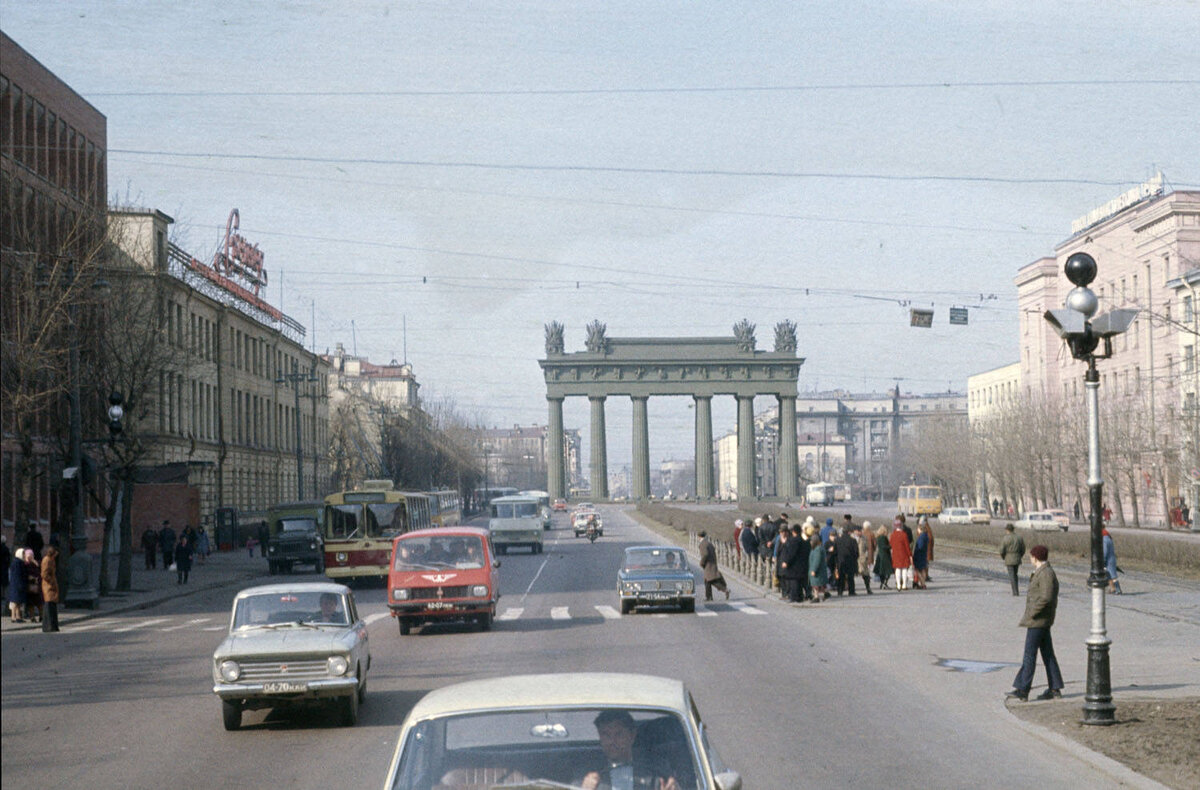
(641, 449)
(599, 450)
(745, 448)
(554, 470)
(786, 484)
(704, 443)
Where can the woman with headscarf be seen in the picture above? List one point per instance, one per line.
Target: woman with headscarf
(18, 590)
(920, 557)
(33, 585)
(49, 574)
(883, 557)
(818, 569)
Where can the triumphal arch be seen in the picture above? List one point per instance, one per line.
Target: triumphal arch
(703, 367)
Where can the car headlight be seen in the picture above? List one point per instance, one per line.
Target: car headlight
(271, 549)
(633, 587)
(341, 556)
(401, 594)
(313, 545)
(338, 665)
(479, 591)
(230, 671)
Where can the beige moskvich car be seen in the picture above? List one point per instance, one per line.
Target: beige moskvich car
(558, 731)
(292, 645)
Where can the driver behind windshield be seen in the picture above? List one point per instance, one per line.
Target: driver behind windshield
(329, 610)
(625, 771)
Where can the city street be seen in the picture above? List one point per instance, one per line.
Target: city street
(887, 690)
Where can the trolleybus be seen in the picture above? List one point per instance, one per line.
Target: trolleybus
(445, 508)
(359, 526)
(919, 500)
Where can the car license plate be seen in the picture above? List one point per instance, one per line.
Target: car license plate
(284, 687)
(659, 596)
(438, 605)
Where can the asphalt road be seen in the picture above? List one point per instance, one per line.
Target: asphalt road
(861, 692)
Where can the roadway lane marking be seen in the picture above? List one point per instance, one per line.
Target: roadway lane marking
(214, 628)
(371, 618)
(188, 624)
(608, 613)
(746, 608)
(143, 624)
(702, 612)
(94, 624)
(533, 581)
(560, 613)
(511, 614)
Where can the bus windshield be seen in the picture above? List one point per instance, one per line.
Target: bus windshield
(514, 509)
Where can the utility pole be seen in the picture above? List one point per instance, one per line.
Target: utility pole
(295, 378)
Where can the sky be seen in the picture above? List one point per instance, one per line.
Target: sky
(433, 182)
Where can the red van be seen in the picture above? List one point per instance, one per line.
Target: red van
(443, 574)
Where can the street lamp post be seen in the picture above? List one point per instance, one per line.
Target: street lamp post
(1084, 331)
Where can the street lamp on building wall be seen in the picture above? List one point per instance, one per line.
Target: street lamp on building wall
(1084, 332)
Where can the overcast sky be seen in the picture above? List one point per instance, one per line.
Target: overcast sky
(476, 170)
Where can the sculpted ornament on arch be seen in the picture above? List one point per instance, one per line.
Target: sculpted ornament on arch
(597, 341)
(554, 338)
(785, 336)
(744, 332)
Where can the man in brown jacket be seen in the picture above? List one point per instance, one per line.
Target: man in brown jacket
(50, 587)
(1041, 602)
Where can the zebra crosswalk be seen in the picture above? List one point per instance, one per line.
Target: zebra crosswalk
(135, 626)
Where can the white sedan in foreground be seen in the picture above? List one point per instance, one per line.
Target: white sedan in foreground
(541, 732)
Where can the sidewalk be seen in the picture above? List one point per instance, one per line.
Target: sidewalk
(150, 587)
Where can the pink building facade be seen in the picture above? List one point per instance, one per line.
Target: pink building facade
(1142, 251)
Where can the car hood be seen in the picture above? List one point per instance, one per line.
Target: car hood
(640, 573)
(295, 640)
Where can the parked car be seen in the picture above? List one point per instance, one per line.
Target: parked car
(444, 574)
(580, 521)
(656, 576)
(541, 731)
(294, 531)
(1041, 521)
(955, 515)
(292, 645)
(980, 515)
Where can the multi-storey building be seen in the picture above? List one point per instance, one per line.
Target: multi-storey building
(1143, 242)
(518, 456)
(1187, 308)
(53, 183)
(841, 437)
(241, 414)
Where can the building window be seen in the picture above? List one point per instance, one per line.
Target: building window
(1188, 315)
(1189, 359)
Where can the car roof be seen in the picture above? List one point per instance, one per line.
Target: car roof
(569, 689)
(652, 548)
(455, 530)
(304, 587)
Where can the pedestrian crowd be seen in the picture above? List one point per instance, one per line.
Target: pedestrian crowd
(31, 580)
(813, 562)
(177, 551)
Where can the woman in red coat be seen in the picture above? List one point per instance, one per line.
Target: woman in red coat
(901, 557)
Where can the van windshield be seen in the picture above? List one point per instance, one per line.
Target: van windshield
(424, 553)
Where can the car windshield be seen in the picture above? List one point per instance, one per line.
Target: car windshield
(299, 524)
(310, 608)
(514, 509)
(545, 748)
(654, 559)
(421, 552)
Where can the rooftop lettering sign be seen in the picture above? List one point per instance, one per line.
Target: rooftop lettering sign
(1123, 201)
(238, 258)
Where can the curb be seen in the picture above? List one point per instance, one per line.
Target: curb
(1114, 768)
(131, 606)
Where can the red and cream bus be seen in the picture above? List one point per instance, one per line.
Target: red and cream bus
(360, 526)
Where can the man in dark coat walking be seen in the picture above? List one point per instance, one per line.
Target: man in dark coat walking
(1041, 603)
(150, 547)
(846, 549)
(793, 564)
(708, 563)
(166, 542)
